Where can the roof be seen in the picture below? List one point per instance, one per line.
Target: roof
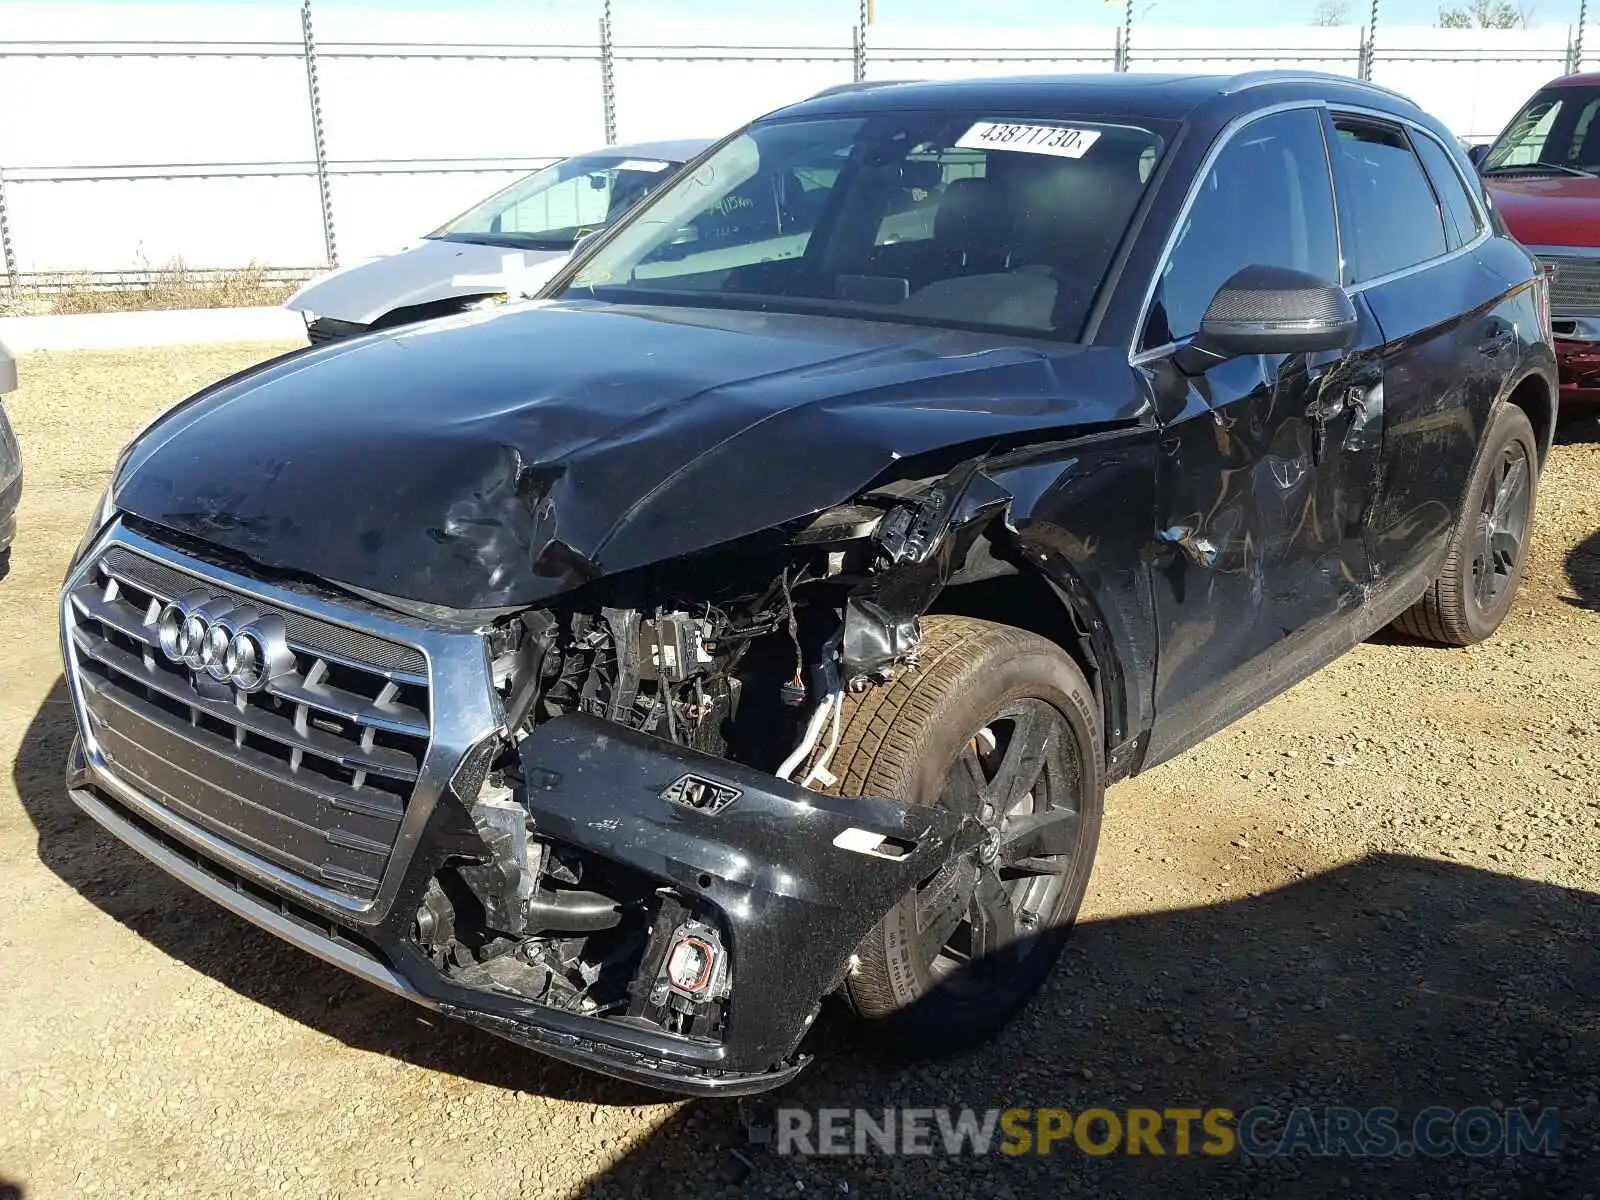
(1112, 94)
(679, 150)
(1588, 79)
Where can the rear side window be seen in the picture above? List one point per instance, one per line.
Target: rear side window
(1460, 214)
(1265, 201)
(1387, 210)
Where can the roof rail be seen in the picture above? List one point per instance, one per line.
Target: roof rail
(1255, 79)
(840, 89)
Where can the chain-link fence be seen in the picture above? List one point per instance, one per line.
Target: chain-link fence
(358, 110)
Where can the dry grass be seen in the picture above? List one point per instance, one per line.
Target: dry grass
(173, 285)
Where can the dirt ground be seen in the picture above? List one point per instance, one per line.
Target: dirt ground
(1381, 889)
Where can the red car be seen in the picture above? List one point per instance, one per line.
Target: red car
(1543, 173)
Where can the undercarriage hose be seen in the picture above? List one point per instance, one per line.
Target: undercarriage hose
(571, 912)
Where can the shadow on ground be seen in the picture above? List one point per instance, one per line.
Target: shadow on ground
(1579, 432)
(1583, 571)
(1583, 560)
(1397, 982)
(1394, 981)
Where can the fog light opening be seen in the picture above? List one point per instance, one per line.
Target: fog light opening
(691, 964)
(694, 968)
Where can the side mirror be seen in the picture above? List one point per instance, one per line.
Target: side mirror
(1476, 154)
(8, 371)
(1270, 310)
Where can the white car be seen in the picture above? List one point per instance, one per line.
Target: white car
(509, 244)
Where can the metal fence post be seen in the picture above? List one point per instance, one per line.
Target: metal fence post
(859, 38)
(1371, 44)
(608, 76)
(319, 144)
(1577, 42)
(1125, 37)
(8, 255)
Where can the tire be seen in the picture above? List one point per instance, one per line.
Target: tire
(980, 691)
(1488, 547)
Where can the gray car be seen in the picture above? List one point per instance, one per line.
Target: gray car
(10, 463)
(509, 244)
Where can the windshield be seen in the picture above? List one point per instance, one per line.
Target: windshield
(951, 220)
(551, 209)
(1557, 133)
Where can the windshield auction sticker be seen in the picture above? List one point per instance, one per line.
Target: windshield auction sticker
(1056, 140)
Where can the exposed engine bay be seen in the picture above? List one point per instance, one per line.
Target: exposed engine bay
(745, 653)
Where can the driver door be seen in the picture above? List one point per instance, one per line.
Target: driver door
(1268, 463)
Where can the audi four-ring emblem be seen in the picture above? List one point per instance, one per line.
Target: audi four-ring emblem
(232, 643)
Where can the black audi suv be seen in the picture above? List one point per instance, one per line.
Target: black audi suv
(762, 613)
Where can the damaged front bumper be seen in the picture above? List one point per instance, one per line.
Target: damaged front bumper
(795, 879)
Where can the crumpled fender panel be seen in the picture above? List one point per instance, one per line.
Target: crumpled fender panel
(495, 460)
(793, 903)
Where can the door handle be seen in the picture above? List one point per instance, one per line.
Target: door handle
(1500, 340)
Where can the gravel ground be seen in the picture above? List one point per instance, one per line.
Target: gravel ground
(1378, 890)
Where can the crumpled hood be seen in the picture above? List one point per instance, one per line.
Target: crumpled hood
(433, 269)
(1549, 210)
(498, 458)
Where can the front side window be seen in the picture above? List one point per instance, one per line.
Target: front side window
(1388, 214)
(551, 209)
(1556, 133)
(1265, 201)
(937, 218)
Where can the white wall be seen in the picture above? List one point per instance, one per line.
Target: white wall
(118, 111)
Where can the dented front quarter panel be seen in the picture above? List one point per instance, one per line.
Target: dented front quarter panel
(1084, 521)
(1078, 511)
(1074, 506)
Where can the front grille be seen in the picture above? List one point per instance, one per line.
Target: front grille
(312, 774)
(1576, 283)
(310, 634)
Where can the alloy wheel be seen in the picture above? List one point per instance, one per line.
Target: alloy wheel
(1020, 775)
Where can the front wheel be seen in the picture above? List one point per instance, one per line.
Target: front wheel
(999, 724)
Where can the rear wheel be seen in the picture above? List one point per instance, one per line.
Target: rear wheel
(998, 724)
(1489, 545)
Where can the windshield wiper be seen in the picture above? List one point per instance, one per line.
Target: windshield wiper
(1540, 165)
